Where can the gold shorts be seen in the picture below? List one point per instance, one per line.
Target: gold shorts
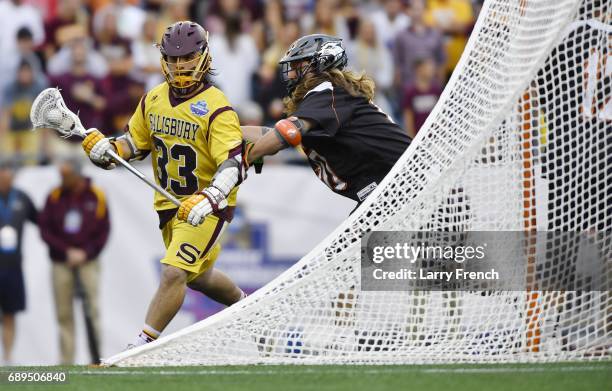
(193, 249)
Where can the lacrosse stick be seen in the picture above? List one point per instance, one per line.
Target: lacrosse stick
(50, 111)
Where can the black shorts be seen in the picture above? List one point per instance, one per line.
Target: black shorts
(12, 291)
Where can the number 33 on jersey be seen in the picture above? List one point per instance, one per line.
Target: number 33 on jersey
(188, 139)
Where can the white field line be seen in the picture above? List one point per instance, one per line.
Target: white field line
(256, 371)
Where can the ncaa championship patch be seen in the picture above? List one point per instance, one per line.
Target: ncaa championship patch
(200, 108)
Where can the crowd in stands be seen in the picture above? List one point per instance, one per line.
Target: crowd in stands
(101, 54)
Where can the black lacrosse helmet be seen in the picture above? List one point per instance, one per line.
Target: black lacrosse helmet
(322, 52)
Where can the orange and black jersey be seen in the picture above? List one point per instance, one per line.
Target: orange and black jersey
(353, 144)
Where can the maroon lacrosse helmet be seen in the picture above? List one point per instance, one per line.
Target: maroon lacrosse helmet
(185, 57)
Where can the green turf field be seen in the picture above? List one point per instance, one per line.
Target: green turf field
(540, 377)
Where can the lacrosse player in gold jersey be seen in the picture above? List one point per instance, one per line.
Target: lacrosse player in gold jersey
(195, 141)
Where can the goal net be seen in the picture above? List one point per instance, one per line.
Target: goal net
(521, 140)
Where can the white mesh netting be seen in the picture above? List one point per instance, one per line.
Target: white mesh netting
(49, 111)
(520, 139)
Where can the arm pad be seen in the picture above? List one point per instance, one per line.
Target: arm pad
(290, 131)
(229, 175)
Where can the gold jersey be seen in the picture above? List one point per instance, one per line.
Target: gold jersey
(188, 139)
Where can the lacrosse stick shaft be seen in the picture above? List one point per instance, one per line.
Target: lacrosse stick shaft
(49, 111)
(143, 178)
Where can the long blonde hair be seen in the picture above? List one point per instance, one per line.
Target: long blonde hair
(356, 84)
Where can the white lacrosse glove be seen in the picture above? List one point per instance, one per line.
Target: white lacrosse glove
(195, 208)
(96, 147)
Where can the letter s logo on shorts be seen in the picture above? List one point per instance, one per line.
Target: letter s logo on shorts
(188, 253)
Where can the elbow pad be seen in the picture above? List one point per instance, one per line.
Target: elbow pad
(290, 131)
(229, 175)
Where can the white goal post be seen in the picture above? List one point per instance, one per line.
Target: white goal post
(521, 140)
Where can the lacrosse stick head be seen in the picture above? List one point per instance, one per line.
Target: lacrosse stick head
(50, 111)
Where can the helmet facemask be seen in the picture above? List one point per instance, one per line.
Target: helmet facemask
(299, 68)
(183, 74)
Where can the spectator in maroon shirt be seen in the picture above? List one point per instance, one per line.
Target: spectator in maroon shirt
(117, 52)
(421, 96)
(69, 12)
(75, 225)
(82, 91)
(417, 41)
